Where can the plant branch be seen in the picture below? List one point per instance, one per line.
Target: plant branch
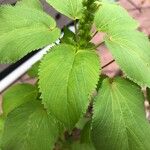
(99, 44)
(94, 34)
(133, 4)
(108, 64)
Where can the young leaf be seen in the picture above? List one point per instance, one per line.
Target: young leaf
(29, 127)
(18, 95)
(119, 121)
(69, 37)
(70, 8)
(102, 77)
(131, 50)
(33, 72)
(82, 122)
(67, 77)
(23, 29)
(86, 136)
(111, 16)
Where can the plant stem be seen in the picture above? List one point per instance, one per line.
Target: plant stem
(94, 34)
(133, 4)
(76, 30)
(86, 21)
(108, 64)
(99, 44)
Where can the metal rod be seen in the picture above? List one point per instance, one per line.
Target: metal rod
(22, 69)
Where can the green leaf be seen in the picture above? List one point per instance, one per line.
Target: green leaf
(79, 146)
(111, 16)
(34, 4)
(119, 121)
(69, 37)
(148, 94)
(70, 8)
(131, 50)
(29, 127)
(86, 136)
(85, 133)
(82, 122)
(23, 29)
(18, 95)
(33, 72)
(1, 130)
(102, 77)
(67, 78)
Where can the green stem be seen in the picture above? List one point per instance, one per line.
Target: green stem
(86, 22)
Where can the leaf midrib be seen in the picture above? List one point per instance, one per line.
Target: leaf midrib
(28, 126)
(68, 80)
(27, 95)
(126, 127)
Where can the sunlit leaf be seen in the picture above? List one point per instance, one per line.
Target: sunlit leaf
(18, 95)
(111, 16)
(29, 127)
(1, 130)
(33, 72)
(86, 136)
(119, 121)
(24, 29)
(67, 78)
(69, 37)
(70, 8)
(131, 51)
(34, 4)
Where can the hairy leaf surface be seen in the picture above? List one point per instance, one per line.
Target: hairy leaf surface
(67, 78)
(69, 37)
(33, 72)
(18, 95)
(111, 16)
(34, 4)
(81, 146)
(70, 8)
(23, 29)
(131, 50)
(86, 136)
(119, 121)
(29, 127)
(1, 130)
